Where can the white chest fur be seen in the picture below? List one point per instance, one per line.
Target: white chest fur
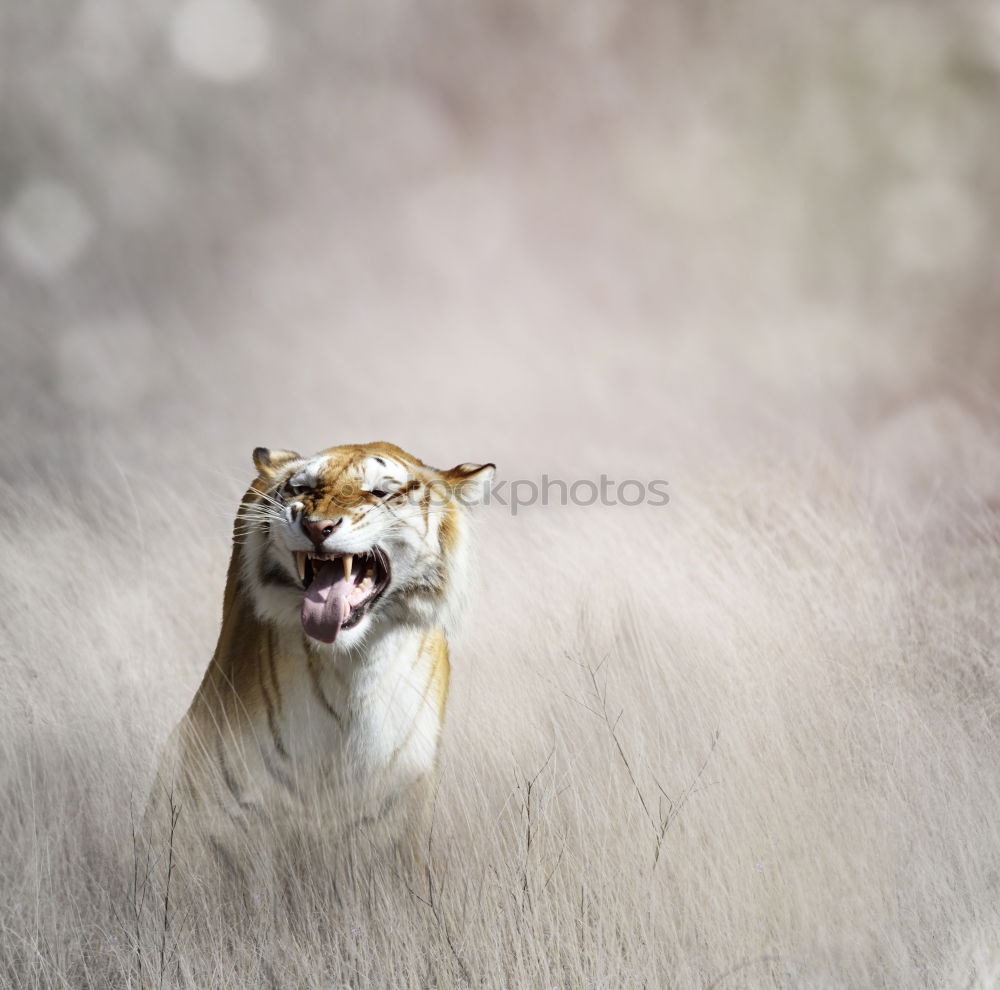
(344, 737)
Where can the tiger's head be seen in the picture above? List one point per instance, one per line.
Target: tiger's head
(355, 538)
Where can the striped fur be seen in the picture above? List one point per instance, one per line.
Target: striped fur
(289, 735)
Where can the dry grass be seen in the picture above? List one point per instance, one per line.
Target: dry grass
(758, 748)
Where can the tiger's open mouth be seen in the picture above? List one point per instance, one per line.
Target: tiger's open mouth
(340, 589)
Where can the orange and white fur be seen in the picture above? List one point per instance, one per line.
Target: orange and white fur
(321, 711)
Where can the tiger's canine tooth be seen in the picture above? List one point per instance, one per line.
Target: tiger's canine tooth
(347, 560)
(300, 564)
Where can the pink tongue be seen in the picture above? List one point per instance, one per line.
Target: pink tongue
(323, 606)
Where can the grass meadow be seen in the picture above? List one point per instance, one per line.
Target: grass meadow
(746, 739)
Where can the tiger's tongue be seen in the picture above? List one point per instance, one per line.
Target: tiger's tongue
(324, 606)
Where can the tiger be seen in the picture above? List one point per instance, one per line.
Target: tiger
(322, 708)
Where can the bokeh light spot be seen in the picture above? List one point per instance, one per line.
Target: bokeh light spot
(46, 227)
(224, 41)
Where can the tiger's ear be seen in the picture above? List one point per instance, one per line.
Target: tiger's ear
(470, 483)
(269, 462)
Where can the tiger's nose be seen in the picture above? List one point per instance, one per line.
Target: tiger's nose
(319, 529)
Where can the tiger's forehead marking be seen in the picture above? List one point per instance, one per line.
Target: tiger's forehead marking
(367, 464)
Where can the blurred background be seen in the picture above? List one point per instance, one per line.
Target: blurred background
(750, 249)
(545, 234)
